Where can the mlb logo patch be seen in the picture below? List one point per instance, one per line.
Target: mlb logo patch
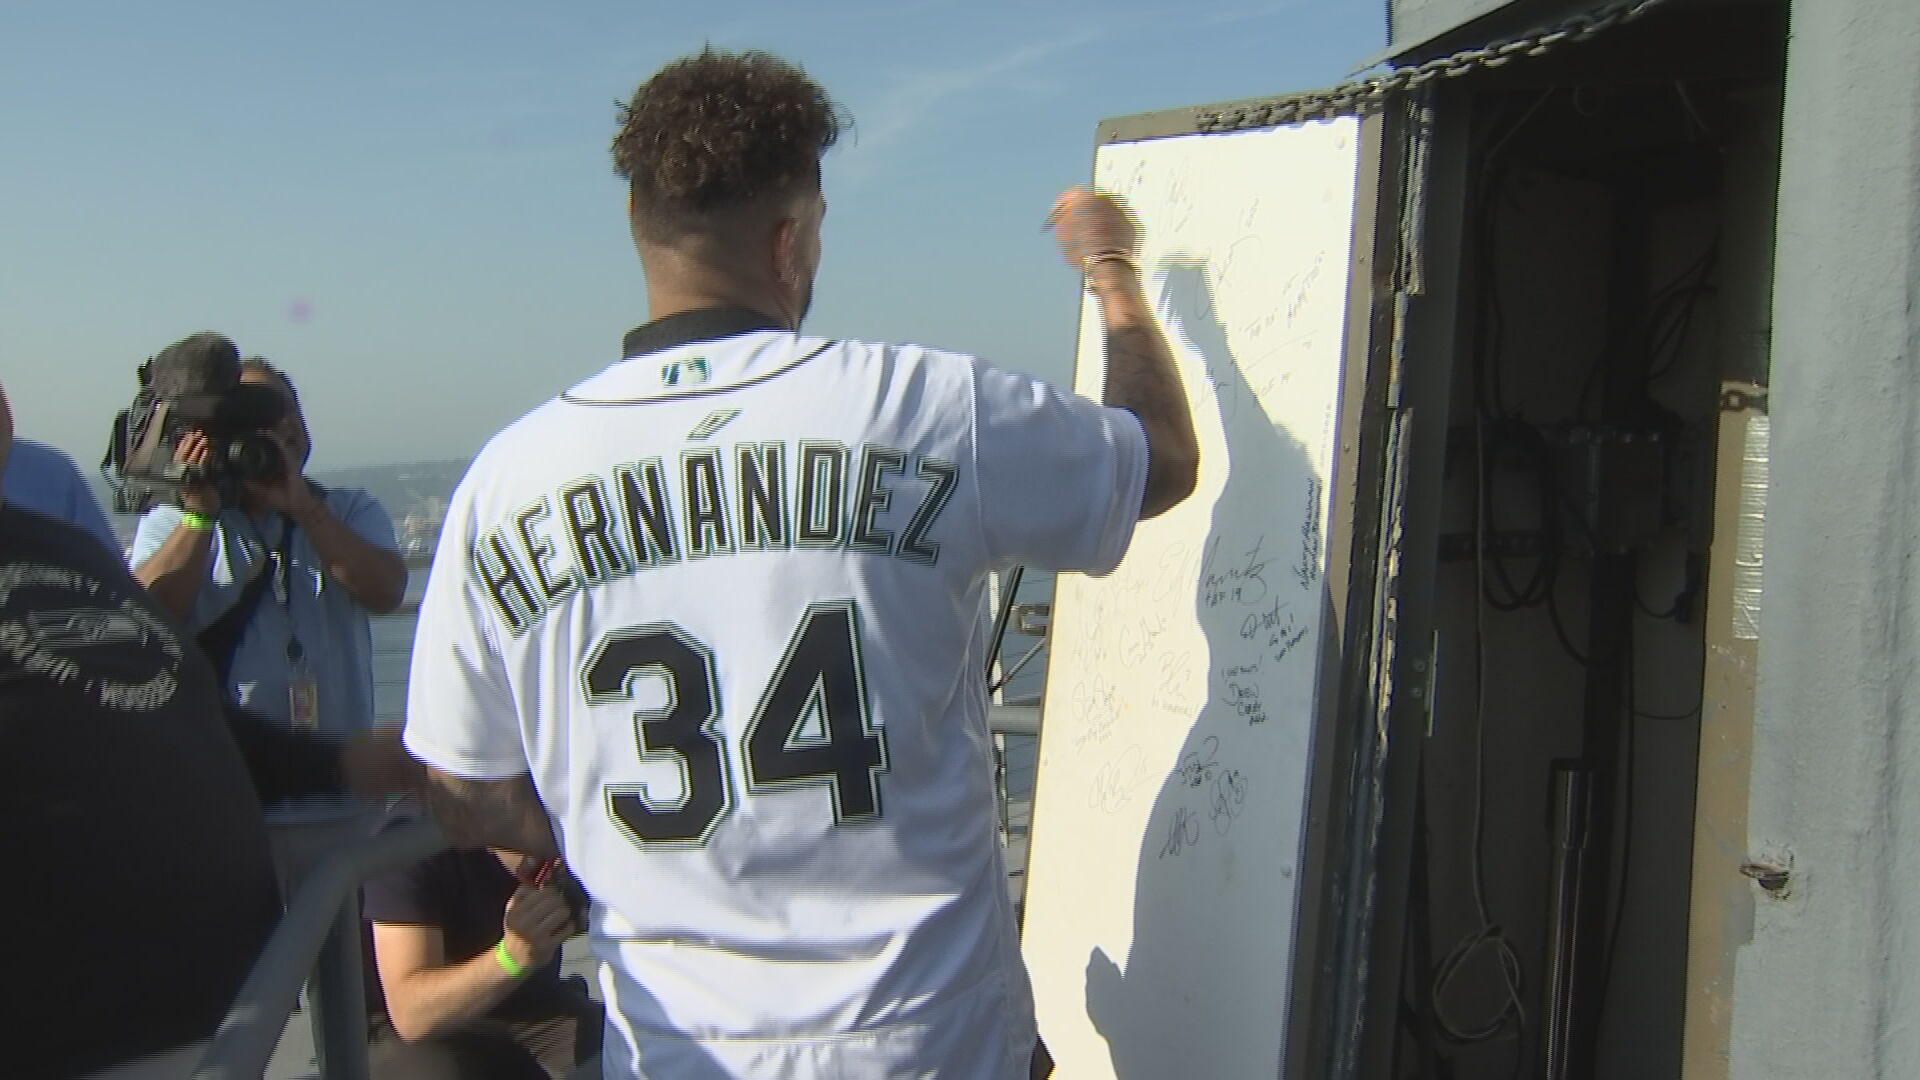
(694, 371)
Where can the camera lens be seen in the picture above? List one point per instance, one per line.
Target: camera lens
(256, 459)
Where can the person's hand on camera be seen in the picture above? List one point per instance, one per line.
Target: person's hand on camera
(194, 450)
(290, 494)
(1089, 221)
(538, 921)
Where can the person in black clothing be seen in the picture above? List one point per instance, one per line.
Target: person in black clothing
(144, 884)
(467, 955)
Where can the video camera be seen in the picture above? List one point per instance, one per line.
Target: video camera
(193, 385)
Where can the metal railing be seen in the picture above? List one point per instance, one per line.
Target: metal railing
(319, 936)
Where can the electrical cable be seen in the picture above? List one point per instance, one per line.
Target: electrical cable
(1560, 631)
(1629, 768)
(1661, 340)
(1488, 935)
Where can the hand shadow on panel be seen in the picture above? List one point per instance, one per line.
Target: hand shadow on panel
(1190, 955)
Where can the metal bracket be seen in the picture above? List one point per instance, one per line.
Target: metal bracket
(1743, 399)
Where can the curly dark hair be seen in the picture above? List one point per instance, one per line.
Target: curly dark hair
(718, 131)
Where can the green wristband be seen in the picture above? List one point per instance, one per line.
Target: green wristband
(191, 520)
(507, 963)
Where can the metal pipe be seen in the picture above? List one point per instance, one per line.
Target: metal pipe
(339, 997)
(1012, 586)
(1571, 808)
(1014, 719)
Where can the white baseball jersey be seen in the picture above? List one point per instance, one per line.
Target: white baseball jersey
(723, 601)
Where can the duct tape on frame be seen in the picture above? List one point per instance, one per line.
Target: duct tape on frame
(1750, 537)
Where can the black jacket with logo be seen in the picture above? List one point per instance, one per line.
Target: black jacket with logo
(142, 886)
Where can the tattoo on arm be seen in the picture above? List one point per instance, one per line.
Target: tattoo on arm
(1141, 379)
(491, 813)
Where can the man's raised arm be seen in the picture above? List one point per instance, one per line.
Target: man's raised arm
(1101, 237)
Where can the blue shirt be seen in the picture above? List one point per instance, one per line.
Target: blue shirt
(46, 481)
(332, 628)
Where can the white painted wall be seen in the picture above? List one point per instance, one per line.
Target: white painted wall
(1827, 987)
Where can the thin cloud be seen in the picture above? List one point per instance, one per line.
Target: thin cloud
(911, 103)
(1250, 12)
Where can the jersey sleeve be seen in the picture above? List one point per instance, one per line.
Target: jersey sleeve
(461, 717)
(1059, 478)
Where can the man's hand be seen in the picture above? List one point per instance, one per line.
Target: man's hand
(1141, 377)
(1089, 221)
(291, 494)
(194, 450)
(374, 576)
(538, 920)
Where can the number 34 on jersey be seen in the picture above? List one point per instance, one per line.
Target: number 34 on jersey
(811, 726)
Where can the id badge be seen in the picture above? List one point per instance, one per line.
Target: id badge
(304, 698)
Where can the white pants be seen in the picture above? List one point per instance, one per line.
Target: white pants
(172, 1065)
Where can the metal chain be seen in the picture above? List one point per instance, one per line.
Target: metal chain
(1364, 95)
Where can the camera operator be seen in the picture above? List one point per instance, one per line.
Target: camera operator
(186, 554)
(283, 574)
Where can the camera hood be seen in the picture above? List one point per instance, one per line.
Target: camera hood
(241, 408)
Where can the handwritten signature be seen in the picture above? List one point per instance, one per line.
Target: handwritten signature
(1307, 570)
(1225, 793)
(1303, 284)
(1118, 781)
(1184, 834)
(1192, 771)
(1229, 796)
(1244, 699)
(1242, 583)
(1267, 622)
(1098, 712)
(1137, 639)
(1279, 628)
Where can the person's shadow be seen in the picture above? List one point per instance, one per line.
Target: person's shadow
(1204, 990)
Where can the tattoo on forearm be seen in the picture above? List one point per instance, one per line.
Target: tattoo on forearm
(1138, 379)
(1141, 379)
(496, 813)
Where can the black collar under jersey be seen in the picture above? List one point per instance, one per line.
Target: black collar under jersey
(687, 327)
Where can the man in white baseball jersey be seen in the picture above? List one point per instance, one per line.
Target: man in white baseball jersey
(713, 615)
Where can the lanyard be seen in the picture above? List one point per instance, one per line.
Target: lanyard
(281, 558)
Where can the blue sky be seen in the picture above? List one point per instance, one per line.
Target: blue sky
(410, 205)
